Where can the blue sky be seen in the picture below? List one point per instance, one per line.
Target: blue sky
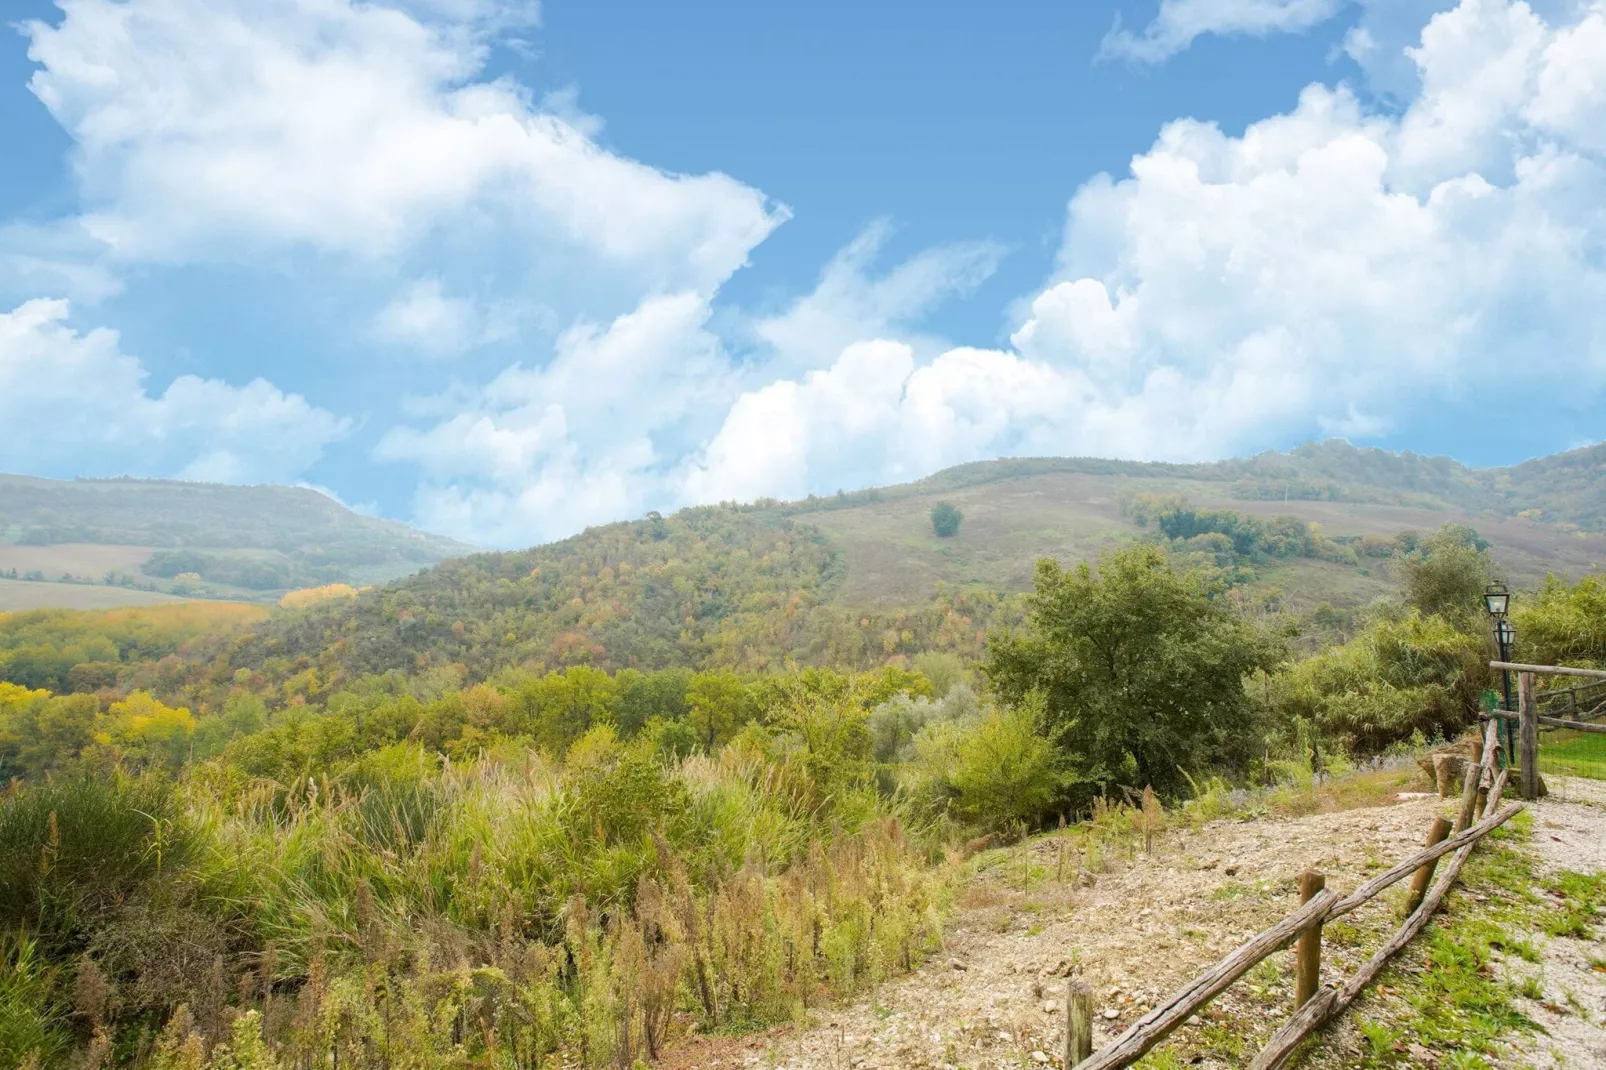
(506, 270)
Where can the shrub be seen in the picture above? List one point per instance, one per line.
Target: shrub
(1141, 668)
(1401, 674)
(995, 772)
(945, 518)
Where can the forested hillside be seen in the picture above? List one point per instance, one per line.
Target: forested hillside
(856, 580)
(194, 539)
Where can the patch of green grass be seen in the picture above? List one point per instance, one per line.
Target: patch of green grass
(1573, 754)
(1444, 994)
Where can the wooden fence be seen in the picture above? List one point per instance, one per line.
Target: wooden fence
(1529, 719)
(1314, 1005)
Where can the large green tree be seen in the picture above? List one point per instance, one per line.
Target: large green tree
(1140, 669)
(1445, 574)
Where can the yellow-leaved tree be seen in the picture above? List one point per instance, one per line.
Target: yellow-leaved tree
(142, 730)
(309, 596)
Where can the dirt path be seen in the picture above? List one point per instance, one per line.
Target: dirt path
(1569, 836)
(993, 997)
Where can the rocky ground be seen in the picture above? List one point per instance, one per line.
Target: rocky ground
(1139, 926)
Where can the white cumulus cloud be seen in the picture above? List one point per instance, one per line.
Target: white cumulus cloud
(426, 319)
(86, 409)
(215, 128)
(1179, 23)
(1333, 268)
(539, 452)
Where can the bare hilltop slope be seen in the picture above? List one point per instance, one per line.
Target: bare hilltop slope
(892, 557)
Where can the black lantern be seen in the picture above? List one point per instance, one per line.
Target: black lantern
(1497, 600)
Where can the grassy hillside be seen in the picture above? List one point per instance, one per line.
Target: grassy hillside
(855, 580)
(193, 539)
(891, 555)
(22, 595)
(1567, 489)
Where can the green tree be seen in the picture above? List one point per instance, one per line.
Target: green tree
(1140, 669)
(945, 518)
(718, 704)
(644, 697)
(561, 707)
(1446, 573)
(1404, 672)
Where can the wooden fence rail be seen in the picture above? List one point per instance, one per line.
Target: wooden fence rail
(1548, 670)
(1553, 722)
(1314, 1005)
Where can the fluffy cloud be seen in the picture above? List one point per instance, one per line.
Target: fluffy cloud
(1179, 22)
(1331, 269)
(850, 303)
(86, 409)
(1341, 268)
(606, 428)
(360, 130)
(541, 451)
(425, 319)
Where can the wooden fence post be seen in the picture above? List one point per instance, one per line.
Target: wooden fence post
(1308, 952)
(1078, 1022)
(1529, 739)
(1469, 789)
(1424, 876)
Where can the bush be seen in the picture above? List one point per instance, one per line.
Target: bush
(1401, 674)
(945, 518)
(1141, 669)
(995, 771)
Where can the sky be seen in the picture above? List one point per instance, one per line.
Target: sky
(505, 269)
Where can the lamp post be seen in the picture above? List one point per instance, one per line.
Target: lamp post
(1497, 602)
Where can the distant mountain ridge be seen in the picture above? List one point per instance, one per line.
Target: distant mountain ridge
(1566, 488)
(208, 539)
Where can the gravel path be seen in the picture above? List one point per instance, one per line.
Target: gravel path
(1569, 835)
(993, 997)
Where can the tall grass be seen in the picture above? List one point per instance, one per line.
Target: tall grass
(410, 912)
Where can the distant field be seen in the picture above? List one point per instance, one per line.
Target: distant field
(894, 559)
(86, 560)
(21, 594)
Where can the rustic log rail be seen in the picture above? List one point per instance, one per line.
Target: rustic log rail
(1548, 670)
(1314, 1005)
(1552, 722)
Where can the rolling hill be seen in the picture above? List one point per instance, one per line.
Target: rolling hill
(854, 579)
(94, 543)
